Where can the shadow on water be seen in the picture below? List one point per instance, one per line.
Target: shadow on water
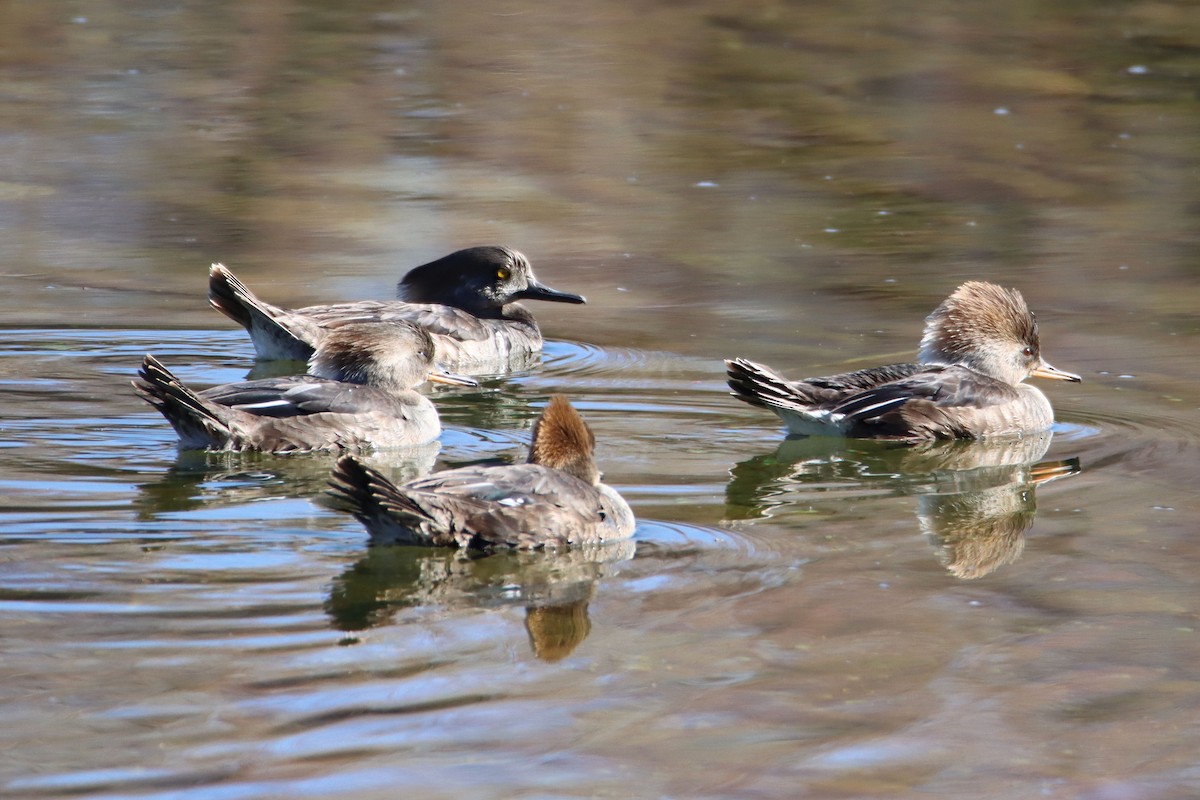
(975, 500)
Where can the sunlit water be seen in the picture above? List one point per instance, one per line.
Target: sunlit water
(203, 619)
(793, 184)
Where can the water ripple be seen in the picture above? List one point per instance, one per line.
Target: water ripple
(573, 358)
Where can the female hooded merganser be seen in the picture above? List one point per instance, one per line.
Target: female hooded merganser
(553, 500)
(979, 346)
(360, 395)
(466, 300)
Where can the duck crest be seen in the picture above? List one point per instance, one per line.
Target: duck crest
(976, 314)
(563, 441)
(395, 353)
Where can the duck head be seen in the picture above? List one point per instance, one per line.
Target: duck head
(392, 355)
(563, 441)
(481, 280)
(989, 329)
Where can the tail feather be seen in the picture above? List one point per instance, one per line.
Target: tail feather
(276, 332)
(227, 294)
(762, 386)
(388, 514)
(198, 422)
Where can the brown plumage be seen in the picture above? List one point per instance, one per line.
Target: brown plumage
(563, 441)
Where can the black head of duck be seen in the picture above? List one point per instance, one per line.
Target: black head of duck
(481, 280)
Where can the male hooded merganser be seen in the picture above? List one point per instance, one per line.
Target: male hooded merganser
(553, 500)
(979, 346)
(360, 395)
(466, 300)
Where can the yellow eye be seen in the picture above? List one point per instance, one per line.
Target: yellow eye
(502, 274)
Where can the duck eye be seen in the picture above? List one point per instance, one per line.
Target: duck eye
(502, 274)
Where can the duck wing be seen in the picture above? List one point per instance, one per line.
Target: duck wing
(939, 401)
(848, 383)
(439, 319)
(522, 506)
(305, 395)
(762, 386)
(445, 320)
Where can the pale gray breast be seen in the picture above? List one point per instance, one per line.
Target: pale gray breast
(1030, 412)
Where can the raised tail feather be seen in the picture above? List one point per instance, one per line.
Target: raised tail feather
(233, 298)
(198, 422)
(276, 333)
(376, 502)
(762, 386)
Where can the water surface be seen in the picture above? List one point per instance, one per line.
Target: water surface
(793, 184)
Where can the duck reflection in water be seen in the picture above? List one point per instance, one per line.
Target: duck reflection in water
(976, 500)
(554, 589)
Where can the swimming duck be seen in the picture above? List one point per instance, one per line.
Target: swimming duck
(978, 348)
(360, 394)
(466, 300)
(554, 499)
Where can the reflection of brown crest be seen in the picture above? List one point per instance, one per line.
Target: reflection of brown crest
(555, 631)
(553, 588)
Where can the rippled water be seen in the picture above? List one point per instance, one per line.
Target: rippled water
(795, 184)
(209, 608)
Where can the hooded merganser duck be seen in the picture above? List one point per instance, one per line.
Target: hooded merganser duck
(466, 300)
(360, 394)
(979, 346)
(553, 500)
